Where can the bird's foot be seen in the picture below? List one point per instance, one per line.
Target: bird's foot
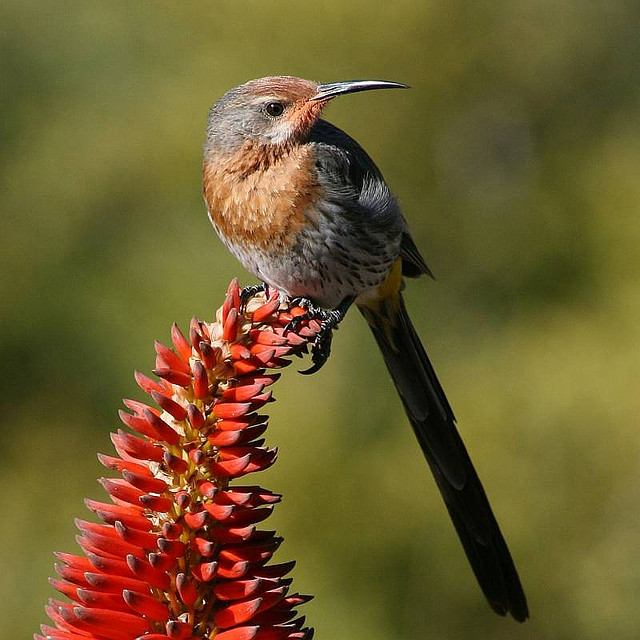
(329, 319)
(248, 292)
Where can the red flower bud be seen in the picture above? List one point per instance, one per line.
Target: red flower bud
(180, 554)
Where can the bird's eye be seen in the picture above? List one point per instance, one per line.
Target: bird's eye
(275, 109)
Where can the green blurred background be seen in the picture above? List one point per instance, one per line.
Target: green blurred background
(516, 158)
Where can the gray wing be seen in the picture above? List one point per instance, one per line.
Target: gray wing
(354, 177)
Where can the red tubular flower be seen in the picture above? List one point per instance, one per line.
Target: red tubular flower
(180, 554)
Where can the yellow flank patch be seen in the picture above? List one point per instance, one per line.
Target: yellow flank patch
(391, 286)
(381, 306)
(385, 292)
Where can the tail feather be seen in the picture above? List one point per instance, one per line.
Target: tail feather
(433, 422)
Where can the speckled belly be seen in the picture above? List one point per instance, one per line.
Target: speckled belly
(329, 259)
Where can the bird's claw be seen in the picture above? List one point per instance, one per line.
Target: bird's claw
(329, 320)
(311, 312)
(248, 292)
(321, 347)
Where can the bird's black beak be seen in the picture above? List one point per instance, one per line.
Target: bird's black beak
(333, 89)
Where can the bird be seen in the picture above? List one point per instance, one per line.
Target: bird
(305, 209)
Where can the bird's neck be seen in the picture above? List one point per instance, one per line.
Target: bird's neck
(259, 195)
(250, 157)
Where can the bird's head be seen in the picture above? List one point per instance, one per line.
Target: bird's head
(275, 110)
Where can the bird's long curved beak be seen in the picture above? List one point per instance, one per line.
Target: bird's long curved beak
(333, 89)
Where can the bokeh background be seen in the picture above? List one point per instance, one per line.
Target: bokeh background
(516, 158)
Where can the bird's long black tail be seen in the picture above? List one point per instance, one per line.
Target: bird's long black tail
(434, 425)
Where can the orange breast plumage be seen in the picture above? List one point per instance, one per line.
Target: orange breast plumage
(259, 200)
